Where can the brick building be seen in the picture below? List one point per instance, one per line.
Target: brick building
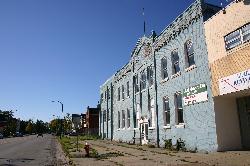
(165, 91)
(91, 124)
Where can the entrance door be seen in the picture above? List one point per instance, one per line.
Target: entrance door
(244, 115)
(144, 132)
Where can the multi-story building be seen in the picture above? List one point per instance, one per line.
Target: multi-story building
(165, 91)
(227, 35)
(92, 121)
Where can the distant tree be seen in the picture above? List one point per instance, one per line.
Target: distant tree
(30, 127)
(10, 121)
(54, 125)
(67, 123)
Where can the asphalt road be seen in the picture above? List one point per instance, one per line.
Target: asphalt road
(28, 151)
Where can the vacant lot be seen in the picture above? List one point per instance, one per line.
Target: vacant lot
(112, 153)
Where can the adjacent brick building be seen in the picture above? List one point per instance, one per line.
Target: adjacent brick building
(167, 90)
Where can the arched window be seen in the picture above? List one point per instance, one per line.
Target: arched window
(189, 53)
(164, 70)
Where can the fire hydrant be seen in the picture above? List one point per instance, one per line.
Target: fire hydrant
(87, 147)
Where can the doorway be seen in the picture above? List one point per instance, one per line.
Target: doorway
(244, 116)
(144, 131)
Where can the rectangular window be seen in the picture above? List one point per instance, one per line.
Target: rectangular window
(108, 95)
(105, 95)
(128, 89)
(151, 113)
(143, 80)
(108, 114)
(246, 33)
(104, 116)
(138, 115)
(150, 74)
(179, 109)
(101, 98)
(189, 53)
(123, 95)
(119, 120)
(128, 118)
(237, 37)
(233, 39)
(137, 89)
(164, 70)
(175, 61)
(123, 119)
(166, 111)
(118, 94)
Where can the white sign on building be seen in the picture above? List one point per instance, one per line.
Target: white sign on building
(235, 82)
(195, 94)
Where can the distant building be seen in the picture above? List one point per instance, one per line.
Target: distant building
(91, 121)
(191, 82)
(76, 122)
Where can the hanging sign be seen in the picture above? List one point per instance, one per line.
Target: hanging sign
(195, 94)
(235, 82)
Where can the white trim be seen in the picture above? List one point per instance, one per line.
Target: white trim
(176, 75)
(190, 68)
(180, 125)
(136, 128)
(167, 126)
(164, 80)
(151, 128)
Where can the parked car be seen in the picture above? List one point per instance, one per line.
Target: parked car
(18, 134)
(73, 134)
(40, 134)
(1, 136)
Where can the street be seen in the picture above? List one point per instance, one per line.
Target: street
(28, 150)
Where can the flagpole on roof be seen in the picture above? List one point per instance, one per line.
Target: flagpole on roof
(144, 22)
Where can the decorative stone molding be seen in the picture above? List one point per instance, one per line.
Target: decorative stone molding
(183, 21)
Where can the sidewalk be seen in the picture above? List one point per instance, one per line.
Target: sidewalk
(114, 153)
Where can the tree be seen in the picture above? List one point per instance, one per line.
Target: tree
(30, 127)
(67, 123)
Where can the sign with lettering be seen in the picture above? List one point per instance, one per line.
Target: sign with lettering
(195, 94)
(235, 82)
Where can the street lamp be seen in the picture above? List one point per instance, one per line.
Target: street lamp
(61, 119)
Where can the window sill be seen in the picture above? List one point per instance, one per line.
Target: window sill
(176, 75)
(165, 80)
(190, 68)
(143, 90)
(136, 128)
(167, 127)
(151, 128)
(180, 125)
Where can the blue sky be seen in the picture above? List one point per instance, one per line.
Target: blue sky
(65, 49)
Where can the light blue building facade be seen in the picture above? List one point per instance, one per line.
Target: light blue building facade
(164, 91)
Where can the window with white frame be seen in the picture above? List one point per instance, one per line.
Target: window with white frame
(123, 93)
(151, 118)
(119, 120)
(166, 111)
(164, 69)
(128, 118)
(138, 115)
(128, 89)
(118, 94)
(175, 61)
(105, 95)
(123, 119)
(237, 37)
(150, 74)
(189, 53)
(143, 80)
(179, 109)
(137, 89)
